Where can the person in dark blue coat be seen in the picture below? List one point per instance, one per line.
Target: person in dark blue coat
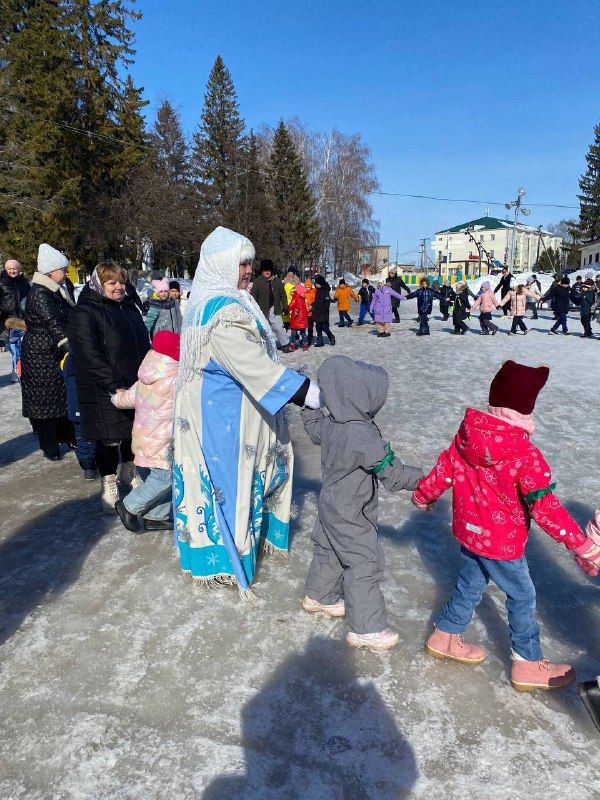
(425, 296)
(586, 300)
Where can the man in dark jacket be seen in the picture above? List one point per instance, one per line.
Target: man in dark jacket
(504, 287)
(576, 291)
(365, 293)
(560, 301)
(268, 291)
(14, 288)
(397, 285)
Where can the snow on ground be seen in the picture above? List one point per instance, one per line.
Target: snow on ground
(120, 679)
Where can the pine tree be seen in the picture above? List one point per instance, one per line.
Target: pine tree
(39, 183)
(64, 106)
(217, 149)
(256, 220)
(295, 227)
(549, 261)
(177, 250)
(589, 213)
(169, 144)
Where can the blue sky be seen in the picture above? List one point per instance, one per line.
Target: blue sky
(464, 100)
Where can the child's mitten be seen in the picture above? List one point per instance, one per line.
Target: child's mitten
(587, 555)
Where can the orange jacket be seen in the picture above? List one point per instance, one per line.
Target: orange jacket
(310, 298)
(343, 294)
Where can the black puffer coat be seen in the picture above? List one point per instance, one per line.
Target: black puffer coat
(109, 341)
(42, 386)
(320, 306)
(13, 292)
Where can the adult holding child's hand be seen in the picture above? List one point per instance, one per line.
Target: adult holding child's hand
(233, 459)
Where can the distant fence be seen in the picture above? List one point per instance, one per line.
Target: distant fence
(413, 279)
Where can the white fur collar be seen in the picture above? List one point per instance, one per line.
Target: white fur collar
(43, 280)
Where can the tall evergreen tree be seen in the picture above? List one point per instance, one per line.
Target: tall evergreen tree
(588, 226)
(169, 144)
(39, 183)
(64, 108)
(256, 221)
(295, 227)
(217, 149)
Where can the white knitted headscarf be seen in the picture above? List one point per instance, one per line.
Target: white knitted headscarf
(217, 275)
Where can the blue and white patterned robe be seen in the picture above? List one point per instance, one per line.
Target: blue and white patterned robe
(233, 459)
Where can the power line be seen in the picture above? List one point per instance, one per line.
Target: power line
(463, 200)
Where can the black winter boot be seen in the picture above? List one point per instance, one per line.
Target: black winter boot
(590, 694)
(319, 342)
(129, 520)
(332, 339)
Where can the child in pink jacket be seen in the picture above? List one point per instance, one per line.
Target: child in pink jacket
(153, 397)
(486, 303)
(499, 482)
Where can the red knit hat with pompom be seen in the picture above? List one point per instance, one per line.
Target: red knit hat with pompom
(167, 344)
(517, 386)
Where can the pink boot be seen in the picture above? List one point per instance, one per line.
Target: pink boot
(314, 607)
(526, 676)
(382, 640)
(452, 646)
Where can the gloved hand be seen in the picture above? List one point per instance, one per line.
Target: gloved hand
(587, 555)
(63, 349)
(313, 396)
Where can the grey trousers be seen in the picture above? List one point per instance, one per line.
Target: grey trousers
(352, 568)
(280, 332)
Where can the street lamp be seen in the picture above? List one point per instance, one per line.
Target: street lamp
(516, 204)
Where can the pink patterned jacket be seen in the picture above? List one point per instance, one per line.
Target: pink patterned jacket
(499, 480)
(153, 397)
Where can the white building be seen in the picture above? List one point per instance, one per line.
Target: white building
(456, 249)
(590, 253)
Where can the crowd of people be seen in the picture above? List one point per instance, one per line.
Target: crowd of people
(182, 416)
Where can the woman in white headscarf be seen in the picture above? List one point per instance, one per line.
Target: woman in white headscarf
(233, 459)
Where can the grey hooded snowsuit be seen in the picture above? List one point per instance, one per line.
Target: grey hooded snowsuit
(347, 556)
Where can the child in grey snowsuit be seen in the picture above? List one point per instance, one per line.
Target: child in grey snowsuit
(347, 564)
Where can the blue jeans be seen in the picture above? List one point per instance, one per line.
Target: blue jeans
(86, 449)
(153, 498)
(362, 313)
(513, 578)
(561, 320)
(298, 334)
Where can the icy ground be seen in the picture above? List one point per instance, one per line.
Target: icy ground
(119, 679)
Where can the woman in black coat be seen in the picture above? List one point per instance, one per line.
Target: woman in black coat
(47, 310)
(320, 310)
(14, 288)
(109, 340)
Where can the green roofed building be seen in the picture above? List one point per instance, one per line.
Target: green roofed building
(481, 245)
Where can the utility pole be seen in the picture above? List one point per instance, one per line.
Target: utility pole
(516, 204)
(422, 255)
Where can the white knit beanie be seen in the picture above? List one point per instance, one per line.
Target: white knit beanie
(50, 259)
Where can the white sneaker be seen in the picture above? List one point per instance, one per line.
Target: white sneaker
(382, 640)
(314, 607)
(110, 494)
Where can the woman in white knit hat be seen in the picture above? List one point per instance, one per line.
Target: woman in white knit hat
(47, 310)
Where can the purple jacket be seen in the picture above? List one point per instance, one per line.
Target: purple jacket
(381, 304)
